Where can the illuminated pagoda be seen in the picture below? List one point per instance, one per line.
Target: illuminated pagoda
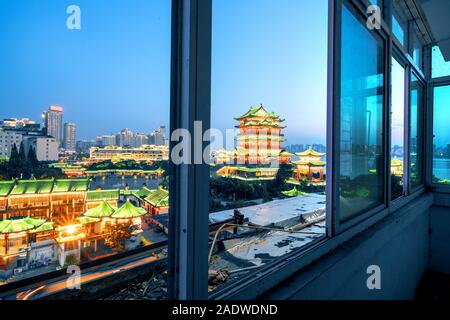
(310, 166)
(259, 138)
(259, 147)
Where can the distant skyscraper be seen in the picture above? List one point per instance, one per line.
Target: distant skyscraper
(158, 137)
(53, 123)
(125, 138)
(69, 136)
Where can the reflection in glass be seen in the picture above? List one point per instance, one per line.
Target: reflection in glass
(361, 160)
(397, 129)
(441, 144)
(416, 142)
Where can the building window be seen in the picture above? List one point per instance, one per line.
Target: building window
(417, 49)
(416, 152)
(399, 24)
(441, 144)
(440, 67)
(397, 129)
(361, 172)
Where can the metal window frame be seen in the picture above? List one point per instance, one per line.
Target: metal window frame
(434, 83)
(421, 118)
(359, 10)
(190, 101)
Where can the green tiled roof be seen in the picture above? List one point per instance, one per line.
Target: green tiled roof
(20, 225)
(87, 220)
(293, 193)
(310, 152)
(65, 185)
(141, 194)
(5, 187)
(102, 195)
(259, 112)
(101, 211)
(128, 211)
(158, 198)
(47, 226)
(32, 187)
(310, 163)
(262, 123)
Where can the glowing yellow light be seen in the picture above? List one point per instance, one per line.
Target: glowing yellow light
(71, 230)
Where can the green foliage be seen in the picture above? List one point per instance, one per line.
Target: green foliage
(25, 167)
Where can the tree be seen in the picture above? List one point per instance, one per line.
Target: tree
(14, 154)
(118, 233)
(32, 156)
(22, 152)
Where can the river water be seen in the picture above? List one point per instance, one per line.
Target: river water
(441, 168)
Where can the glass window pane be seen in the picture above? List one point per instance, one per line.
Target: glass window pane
(416, 140)
(417, 51)
(440, 67)
(397, 129)
(361, 132)
(269, 104)
(85, 98)
(441, 130)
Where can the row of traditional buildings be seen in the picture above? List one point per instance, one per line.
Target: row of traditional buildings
(45, 221)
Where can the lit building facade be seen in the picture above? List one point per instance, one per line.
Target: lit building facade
(260, 137)
(147, 153)
(69, 136)
(259, 148)
(310, 166)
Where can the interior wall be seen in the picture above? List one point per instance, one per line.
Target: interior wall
(440, 234)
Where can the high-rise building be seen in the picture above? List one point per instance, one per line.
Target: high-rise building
(139, 139)
(105, 141)
(69, 136)
(158, 137)
(124, 138)
(53, 123)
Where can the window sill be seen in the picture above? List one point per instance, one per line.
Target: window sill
(259, 283)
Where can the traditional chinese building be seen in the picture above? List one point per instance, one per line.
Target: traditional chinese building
(154, 201)
(260, 137)
(259, 150)
(310, 166)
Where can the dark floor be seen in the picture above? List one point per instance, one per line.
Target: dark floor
(434, 287)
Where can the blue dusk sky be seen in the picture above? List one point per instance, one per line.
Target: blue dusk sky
(272, 52)
(114, 72)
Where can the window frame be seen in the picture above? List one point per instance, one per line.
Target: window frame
(432, 85)
(422, 112)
